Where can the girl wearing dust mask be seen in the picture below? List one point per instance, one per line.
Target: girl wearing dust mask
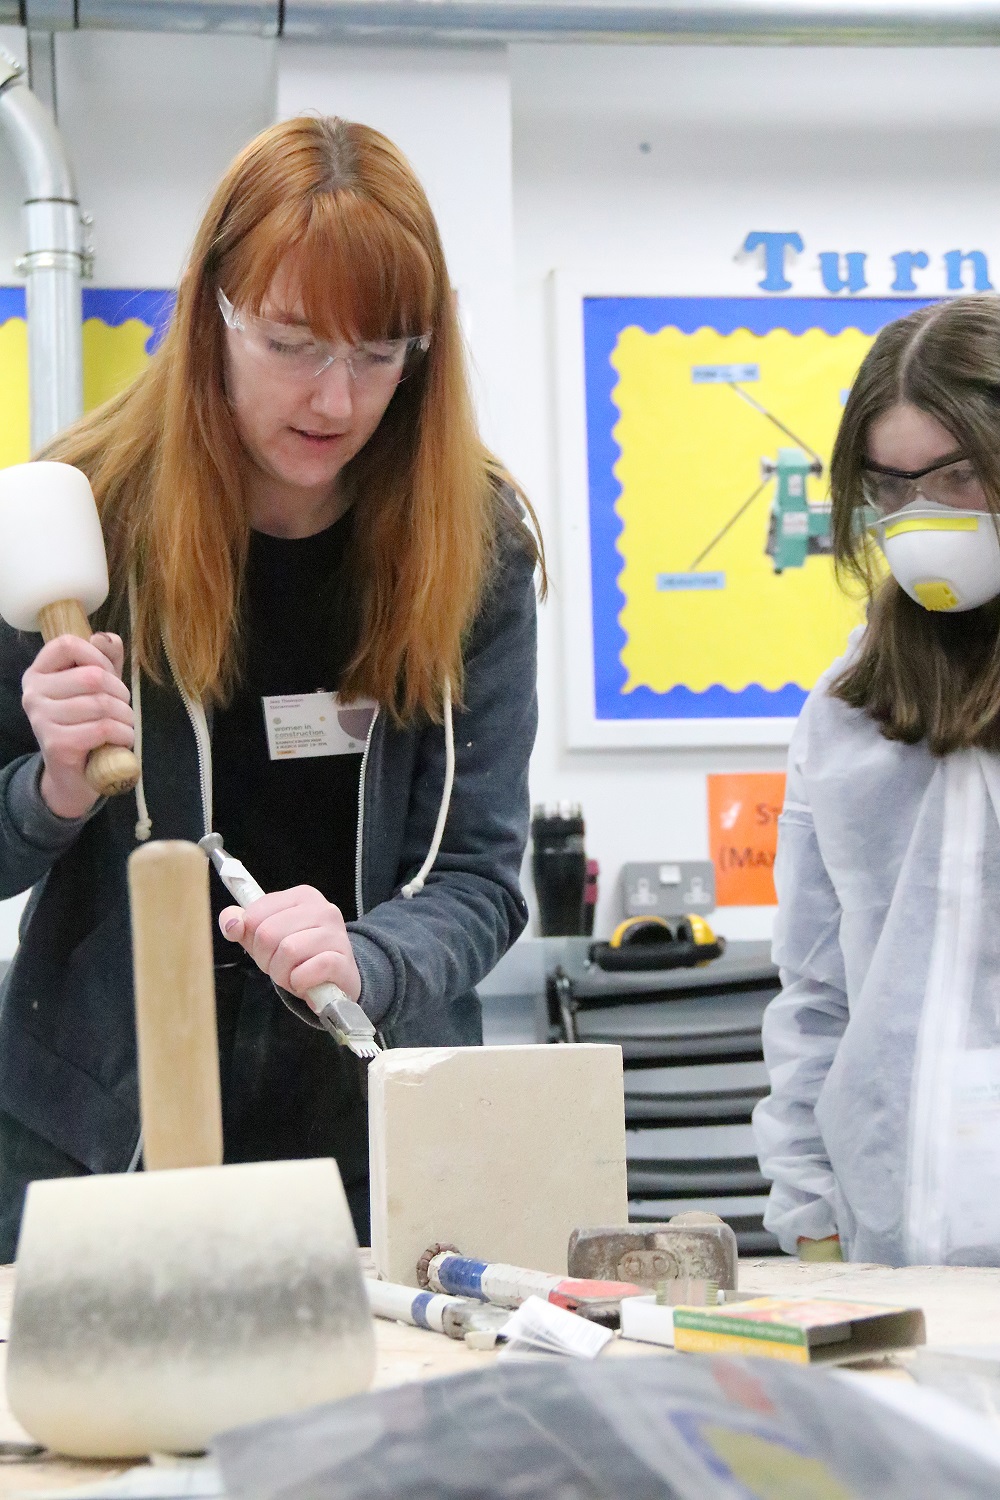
(882, 1129)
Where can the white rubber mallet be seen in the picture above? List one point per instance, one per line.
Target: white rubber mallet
(154, 1309)
(54, 573)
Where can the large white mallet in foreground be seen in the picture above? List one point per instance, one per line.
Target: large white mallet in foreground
(154, 1309)
(53, 574)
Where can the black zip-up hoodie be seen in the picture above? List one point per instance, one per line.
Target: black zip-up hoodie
(67, 1030)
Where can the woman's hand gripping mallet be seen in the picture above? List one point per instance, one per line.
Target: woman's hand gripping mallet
(53, 573)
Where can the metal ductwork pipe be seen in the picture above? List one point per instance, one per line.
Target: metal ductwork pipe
(54, 263)
(962, 23)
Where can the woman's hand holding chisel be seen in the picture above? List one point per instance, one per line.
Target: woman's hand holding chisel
(298, 938)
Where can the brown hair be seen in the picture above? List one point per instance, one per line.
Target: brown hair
(920, 674)
(340, 206)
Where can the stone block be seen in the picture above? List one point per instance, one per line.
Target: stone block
(501, 1151)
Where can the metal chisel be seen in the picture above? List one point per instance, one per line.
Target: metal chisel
(341, 1016)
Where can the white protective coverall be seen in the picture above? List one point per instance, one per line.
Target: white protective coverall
(883, 1047)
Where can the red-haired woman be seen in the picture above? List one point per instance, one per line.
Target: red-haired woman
(295, 502)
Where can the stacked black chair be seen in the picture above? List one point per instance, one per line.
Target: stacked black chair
(694, 1070)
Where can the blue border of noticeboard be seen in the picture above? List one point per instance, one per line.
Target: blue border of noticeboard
(112, 305)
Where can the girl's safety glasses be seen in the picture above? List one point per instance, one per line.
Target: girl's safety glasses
(293, 351)
(950, 481)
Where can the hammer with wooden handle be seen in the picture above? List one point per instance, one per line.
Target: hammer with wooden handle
(53, 573)
(154, 1309)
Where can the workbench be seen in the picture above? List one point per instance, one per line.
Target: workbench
(961, 1304)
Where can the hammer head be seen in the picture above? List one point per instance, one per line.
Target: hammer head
(51, 542)
(154, 1309)
(694, 1245)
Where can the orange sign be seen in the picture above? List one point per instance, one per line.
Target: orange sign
(743, 834)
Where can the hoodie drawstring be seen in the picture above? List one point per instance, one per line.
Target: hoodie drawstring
(144, 825)
(415, 886)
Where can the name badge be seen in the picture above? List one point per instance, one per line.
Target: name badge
(300, 725)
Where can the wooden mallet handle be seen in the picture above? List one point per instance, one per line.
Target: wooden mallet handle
(175, 1006)
(111, 769)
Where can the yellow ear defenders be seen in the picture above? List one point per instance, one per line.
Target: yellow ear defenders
(641, 930)
(651, 930)
(656, 943)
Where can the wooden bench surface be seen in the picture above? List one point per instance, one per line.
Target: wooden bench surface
(962, 1306)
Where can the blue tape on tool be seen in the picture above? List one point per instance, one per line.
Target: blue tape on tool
(462, 1277)
(418, 1309)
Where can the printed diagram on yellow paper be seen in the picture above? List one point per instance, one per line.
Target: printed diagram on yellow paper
(710, 428)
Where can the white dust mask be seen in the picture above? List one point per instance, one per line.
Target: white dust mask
(945, 559)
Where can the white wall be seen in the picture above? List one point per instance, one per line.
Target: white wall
(536, 161)
(13, 40)
(448, 110)
(151, 122)
(871, 150)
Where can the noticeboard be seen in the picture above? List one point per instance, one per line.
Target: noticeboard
(695, 441)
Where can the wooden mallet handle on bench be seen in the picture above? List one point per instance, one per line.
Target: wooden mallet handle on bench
(175, 1006)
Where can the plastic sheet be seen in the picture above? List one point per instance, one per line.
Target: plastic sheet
(676, 1428)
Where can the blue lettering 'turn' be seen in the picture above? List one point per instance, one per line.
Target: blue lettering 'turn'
(906, 262)
(853, 277)
(775, 246)
(954, 261)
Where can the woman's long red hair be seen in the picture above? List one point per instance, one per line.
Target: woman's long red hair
(338, 205)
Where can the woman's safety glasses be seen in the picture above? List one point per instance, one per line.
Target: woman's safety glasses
(293, 351)
(951, 481)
